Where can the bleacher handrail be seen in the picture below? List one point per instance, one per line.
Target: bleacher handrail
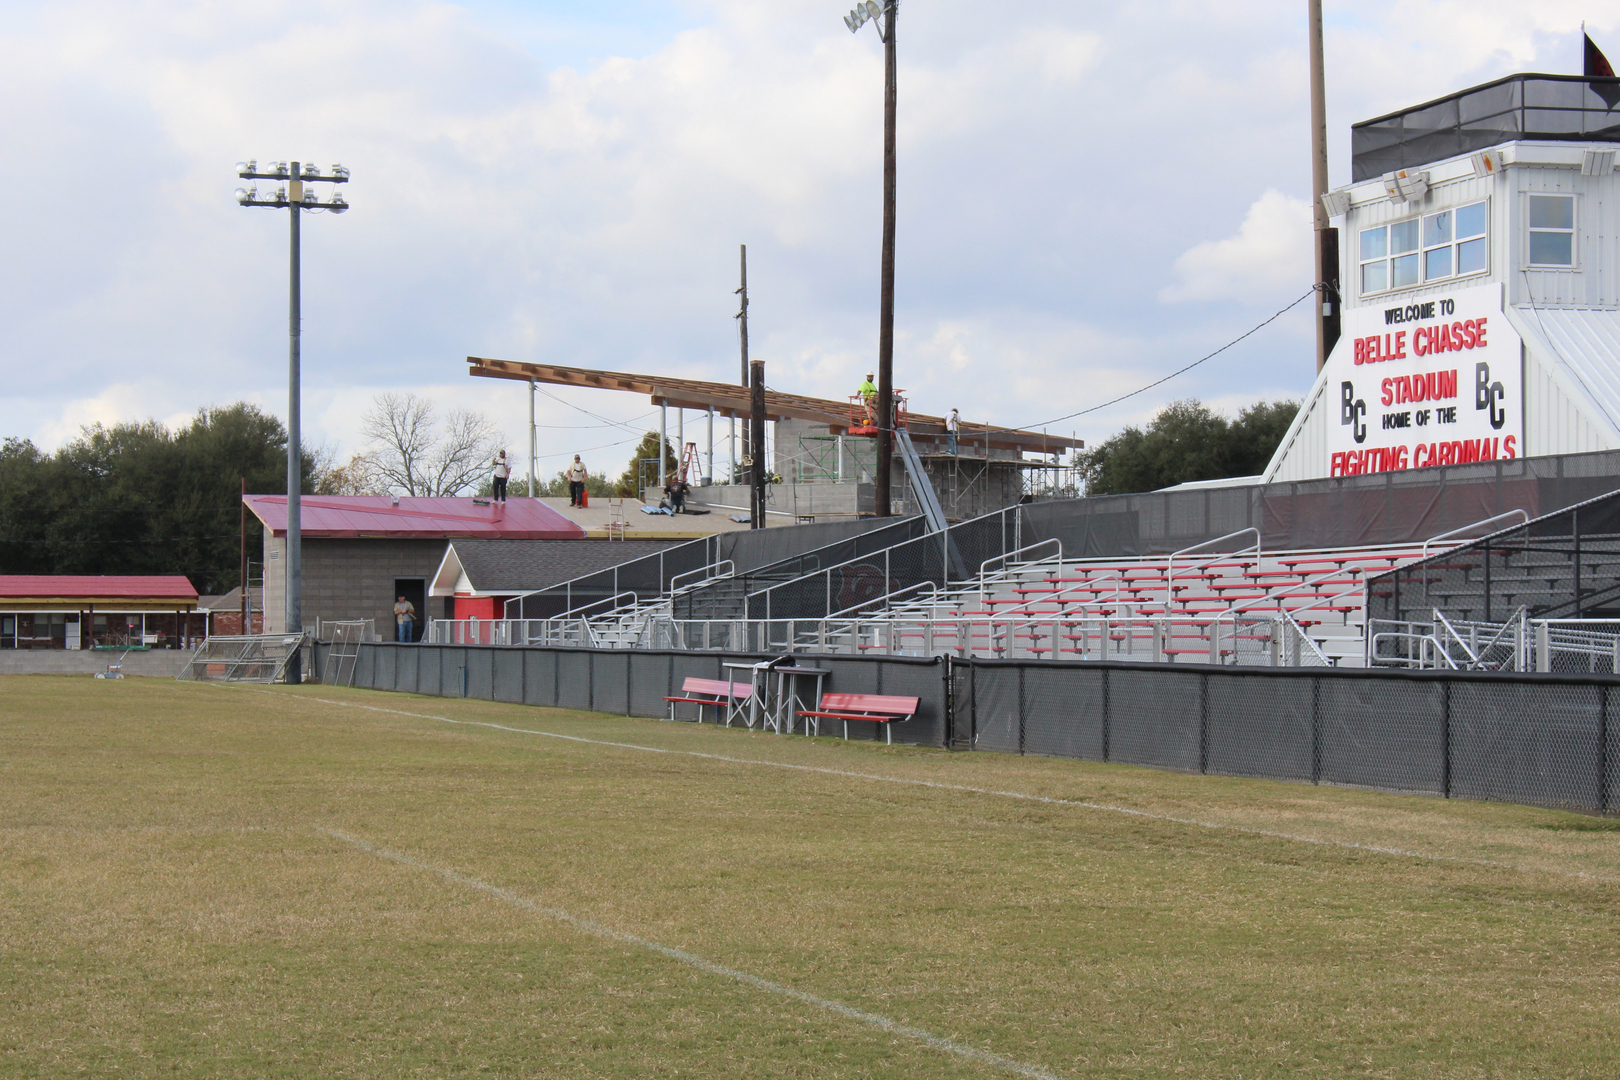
(708, 576)
(932, 588)
(766, 592)
(984, 566)
(1524, 515)
(567, 587)
(1170, 563)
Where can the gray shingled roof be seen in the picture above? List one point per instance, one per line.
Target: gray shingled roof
(513, 566)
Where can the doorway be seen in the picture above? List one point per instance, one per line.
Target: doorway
(415, 591)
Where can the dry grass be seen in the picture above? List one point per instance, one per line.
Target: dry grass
(169, 905)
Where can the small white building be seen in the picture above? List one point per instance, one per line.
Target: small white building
(1480, 280)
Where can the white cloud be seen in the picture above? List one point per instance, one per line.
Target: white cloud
(1272, 250)
(515, 198)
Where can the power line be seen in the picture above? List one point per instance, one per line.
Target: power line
(1180, 371)
(608, 422)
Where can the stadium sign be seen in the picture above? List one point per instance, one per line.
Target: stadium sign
(1435, 382)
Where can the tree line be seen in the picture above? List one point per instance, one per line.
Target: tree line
(1186, 441)
(140, 498)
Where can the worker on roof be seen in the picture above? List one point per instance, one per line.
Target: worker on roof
(953, 428)
(869, 393)
(503, 472)
(576, 482)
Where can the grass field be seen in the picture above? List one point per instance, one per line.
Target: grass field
(223, 882)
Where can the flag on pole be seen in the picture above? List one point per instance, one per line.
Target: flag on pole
(1598, 67)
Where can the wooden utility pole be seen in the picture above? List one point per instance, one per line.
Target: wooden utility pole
(742, 331)
(885, 411)
(756, 424)
(1327, 237)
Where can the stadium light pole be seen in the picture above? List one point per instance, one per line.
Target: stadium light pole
(871, 11)
(297, 195)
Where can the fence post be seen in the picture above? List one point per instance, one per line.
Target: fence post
(1316, 730)
(1603, 749)
(1020, 708)
(1203, 723)
(1107, 723)
(1445, 738)
(1544, 644)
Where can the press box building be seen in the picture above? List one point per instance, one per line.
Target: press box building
(1480, 282)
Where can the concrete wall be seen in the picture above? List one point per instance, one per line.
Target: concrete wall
(350, 578)
(163, 663)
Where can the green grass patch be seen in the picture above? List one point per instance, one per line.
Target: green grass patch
(174, 903)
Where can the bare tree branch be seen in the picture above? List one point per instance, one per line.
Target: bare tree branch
(413, 454)
(463, 453)
(400, 428)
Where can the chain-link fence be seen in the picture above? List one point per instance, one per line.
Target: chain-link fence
(1531, 738)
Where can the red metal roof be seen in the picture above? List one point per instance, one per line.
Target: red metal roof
(415, 518)
(98, 587)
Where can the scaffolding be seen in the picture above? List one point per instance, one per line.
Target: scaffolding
(834, 459)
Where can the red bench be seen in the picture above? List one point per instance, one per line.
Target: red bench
(880, 708)
(716, 692)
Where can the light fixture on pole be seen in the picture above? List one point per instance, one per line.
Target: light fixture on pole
(296, 193)
(859, 17)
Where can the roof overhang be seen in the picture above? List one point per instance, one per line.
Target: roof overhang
(732, 400)
(85, 603)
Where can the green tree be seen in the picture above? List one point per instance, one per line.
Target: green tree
(1186, 441)
(629, 484)
(138, 498)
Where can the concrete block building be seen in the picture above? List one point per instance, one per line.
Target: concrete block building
(361, 552)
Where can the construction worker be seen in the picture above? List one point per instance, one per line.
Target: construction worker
(869, 392)
(576, 482)
(953, 427)
(503, 472)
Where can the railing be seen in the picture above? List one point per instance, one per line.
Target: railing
(927, 557)
(984, 567)
(1464, 646)
(1170, 563)
(1523, 516)
(1270, 641)
(650, 573)
(709, 573)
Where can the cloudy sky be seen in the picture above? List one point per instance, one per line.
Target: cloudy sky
(1091, 195)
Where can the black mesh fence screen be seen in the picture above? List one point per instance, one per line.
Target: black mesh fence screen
(610, 682)
(574, 679)
(539, 677)
(1155, 718)
(1263, 730)
(1379, 509)
(1383, 733)
(1540, 739)
(1560, 107)
(1064, 712)
(506, 675)
(481, 673)
(1565, 565)
(1527, 743)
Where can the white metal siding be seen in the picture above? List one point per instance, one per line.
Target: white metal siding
(1571, 379)
(1592, 283)
(1554, 422)
(1303, 453)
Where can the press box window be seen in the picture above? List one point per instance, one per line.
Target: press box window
(1448, 244)
(1552, 230)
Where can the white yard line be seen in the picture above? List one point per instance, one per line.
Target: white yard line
(1020, 795)
(596, 929)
